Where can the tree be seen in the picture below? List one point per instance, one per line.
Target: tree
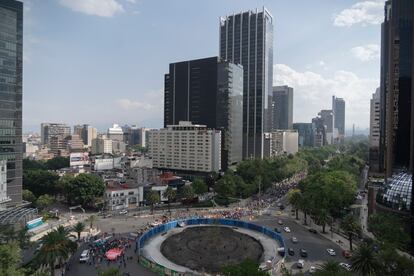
(245, 268)
(28, 196)
(199, 186)
(40, 182)
(152, 198)
(9, 234)
(294, 197)
(365, 261)
(321, 217)
(78, 228)
(56, 248)
(92, 219)
(10, 260)
(84, 189)
(187, 192)
(351, 227)
(226, 185)
(113, 271)
(29, 164)
(57, 163)
(170, 194)
(388, 229)
(330, 268)
(44, 201)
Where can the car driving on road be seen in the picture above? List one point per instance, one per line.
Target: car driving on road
(287, 229)
(331, 252)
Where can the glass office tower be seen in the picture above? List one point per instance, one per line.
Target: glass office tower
(247, 39)
(11, 59)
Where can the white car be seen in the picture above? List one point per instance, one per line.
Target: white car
(331, 252)
(345, 266)
(294, 239)
(312, 269)
(280, 222)
(84, 257)
(300, 263)
(123, 212)
(287, 229)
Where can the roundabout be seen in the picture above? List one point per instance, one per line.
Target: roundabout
(206, 245)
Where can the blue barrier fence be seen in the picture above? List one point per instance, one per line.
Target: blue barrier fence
(197, 221)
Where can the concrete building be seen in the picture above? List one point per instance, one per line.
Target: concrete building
(86, 133)
(4, 198)
(306, 134)
(338, 110)
(208, 92)
(319, 138)
(74, 143)
(115, 133)
(374, 131)
(186, 147)
(118, 147)
(247, 39)
(125, 196)
(281, 108)
(102, 145)
(327, 117)
(49, 130)
(136, 136)
(11, 91)
(284, 142)
(58, 146)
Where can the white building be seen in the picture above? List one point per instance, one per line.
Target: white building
(185, 147)
(101, 145)
(374, 129)
(116, 133)
(104, 164)
(283, 142)
(3, 185)
(118, 198)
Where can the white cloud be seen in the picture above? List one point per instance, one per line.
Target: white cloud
(366, 52)
(130, 104)
(313, 92)
(131, 1)
(105, 8)
(366, 12)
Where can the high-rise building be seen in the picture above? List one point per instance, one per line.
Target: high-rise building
(101, 145)
(186, 147)
(86, 133)
(397, 79)
(338, 109)
(319, 138)
(374, 131)
(306, 134)
(207, 92)
(247, 39)
(284, 142)
(115, 133)
(11, 65)
(49, 130)
(281, 107)
(136, 136)
(74, 143)
(328, 120)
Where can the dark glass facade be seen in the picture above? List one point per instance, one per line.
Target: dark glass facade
(306, 134)
(11, 62)
(282, 107)
(207, 92)
(338, 107)
(247, 39)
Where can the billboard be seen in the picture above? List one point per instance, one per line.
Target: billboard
(79, 159)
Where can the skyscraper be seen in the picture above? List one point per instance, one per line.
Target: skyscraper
(306, 134)
(11, 66)
(374, 132)
(207, 92)
(282, 107)
(247, 39)
(338, 109)
(397, 93)
(328, 120)
(49, 130)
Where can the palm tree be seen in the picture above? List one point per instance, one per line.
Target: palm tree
(351, 226)
(330, 267)
(91, 220)
(365, 261)
(152, 198)
(170, 194)
(294, 196)
(78, 228)
(57, 247)
(322, 217)
(305, 206)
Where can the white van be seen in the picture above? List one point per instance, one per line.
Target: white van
(84, 257)
(300, 263)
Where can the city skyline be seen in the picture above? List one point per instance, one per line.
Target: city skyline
(132, 94)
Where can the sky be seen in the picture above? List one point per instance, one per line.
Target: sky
(103, 61)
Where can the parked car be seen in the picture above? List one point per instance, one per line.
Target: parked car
(331, 252)
(313, 231)
(345, 266)
(280, 222)
(291, 252)
(300, 263)
(312, 269)
(294, 239)
(303, 253)
(84, 257)
(347, 254)
(287, 229)
(123, 212)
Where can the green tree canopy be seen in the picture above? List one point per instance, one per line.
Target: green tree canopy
(152, 198)
(187, 192)
(245, 268)
(10, 260)
(199, 186)
(28, 196)
(113, 271)
(40, 182)
(57, 163)
(44, 201)
(388, 229)
(84, 189)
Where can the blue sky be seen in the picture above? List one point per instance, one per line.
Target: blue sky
(103, 61)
